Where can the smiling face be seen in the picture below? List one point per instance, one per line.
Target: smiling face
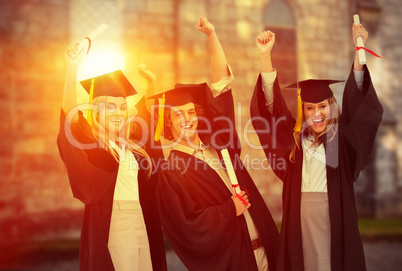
(183, 123)
(114, 114)
(317, 116)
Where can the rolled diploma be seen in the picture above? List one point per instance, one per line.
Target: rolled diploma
(361, 52)
(85, 43)
(229, 168)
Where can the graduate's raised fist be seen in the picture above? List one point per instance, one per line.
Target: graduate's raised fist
(359, 31)
(146, 73)
(265, 41)
(205, 26)
(72, 56)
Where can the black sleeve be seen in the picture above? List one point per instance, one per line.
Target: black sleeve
(91, 170)
(275, 131)
(222, 118)
(191, 229)
(361, 116)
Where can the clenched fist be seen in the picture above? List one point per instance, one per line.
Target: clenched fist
(265, 41)
(205, 26)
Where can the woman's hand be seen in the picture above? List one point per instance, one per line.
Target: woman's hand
(239, 205)
(265, 42)
(72, 56)
(205, 26)
(359, 31)
(145, 73)
(73, 59)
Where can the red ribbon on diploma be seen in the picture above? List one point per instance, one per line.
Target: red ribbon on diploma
(89, 46)
(238, 195)
(369, 51)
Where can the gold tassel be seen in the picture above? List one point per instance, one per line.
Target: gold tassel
(161, 120)
(91, 95)
(298, 123)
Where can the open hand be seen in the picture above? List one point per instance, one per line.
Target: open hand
(145, 73)
(205, 26)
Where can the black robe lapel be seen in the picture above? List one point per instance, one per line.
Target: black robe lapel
(184, 162)
(334, 200)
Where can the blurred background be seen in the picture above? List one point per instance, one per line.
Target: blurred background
(39, 218)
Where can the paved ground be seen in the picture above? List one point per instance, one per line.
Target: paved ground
(383, 256)
(380, 256)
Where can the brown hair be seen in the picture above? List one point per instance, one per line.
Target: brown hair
(330, 130)
(167, 133)
(130, 130)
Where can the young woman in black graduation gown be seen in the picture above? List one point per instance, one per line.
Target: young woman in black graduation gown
(322, 162)
(110, 174)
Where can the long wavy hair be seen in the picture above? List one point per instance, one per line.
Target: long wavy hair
(329, 132)
(101, 134)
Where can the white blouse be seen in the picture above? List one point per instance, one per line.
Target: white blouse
(127, 177)
(314, 172)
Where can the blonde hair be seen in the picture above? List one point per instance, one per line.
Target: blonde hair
(330, 130)
(131, 129)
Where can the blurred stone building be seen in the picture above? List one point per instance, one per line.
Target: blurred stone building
(313, 40)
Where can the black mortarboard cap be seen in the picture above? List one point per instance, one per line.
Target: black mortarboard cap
(315, 90)
(184, 93)
(181, 94)
(110, 84)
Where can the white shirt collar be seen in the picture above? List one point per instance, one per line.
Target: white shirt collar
(189, 150)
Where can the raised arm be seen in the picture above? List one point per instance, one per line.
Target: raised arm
(358, 31)
(219, 65)
(73, 59)
(220, 108)
(265, 42)
(270, 116)
(148, 75)
(361, 114)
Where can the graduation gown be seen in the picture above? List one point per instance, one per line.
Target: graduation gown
(197, 213)
(346, 156)
(92, 174)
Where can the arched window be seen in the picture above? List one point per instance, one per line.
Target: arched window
(279, 18)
